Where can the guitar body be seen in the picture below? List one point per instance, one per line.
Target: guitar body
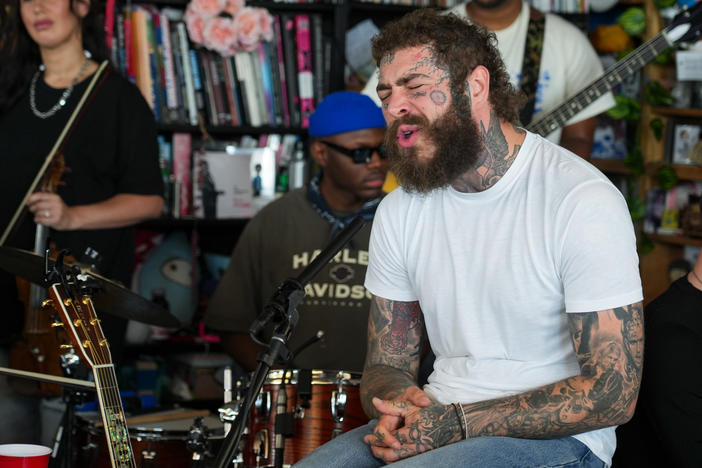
(36, 352)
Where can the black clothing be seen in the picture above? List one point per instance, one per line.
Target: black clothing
(112, 149)
(666, 429)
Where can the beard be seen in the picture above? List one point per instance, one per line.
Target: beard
(457, 145)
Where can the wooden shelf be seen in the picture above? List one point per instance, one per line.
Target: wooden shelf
(393, 8)
(269, 5)
(676, 240)
(611, 165)
(230, 130)
(678, 111)
(683, 171)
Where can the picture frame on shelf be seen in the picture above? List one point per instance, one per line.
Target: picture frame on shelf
(682, 141)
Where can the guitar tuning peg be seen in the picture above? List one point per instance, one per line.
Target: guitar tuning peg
(47, 304)
(66, 346)
(57, 325)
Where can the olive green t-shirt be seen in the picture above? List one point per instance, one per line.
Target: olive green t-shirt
(278, 243)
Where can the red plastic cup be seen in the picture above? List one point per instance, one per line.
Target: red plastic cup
(24, 456)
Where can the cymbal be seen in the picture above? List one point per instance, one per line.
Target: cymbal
(111, 298)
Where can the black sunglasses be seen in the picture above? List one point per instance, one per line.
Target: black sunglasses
(361, 155)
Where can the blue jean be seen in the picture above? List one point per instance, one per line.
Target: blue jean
(350, 451)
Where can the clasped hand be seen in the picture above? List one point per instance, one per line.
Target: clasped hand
(410, 424)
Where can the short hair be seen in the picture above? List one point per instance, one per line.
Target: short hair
(459, 46)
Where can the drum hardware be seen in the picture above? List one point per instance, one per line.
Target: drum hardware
(281, 313)
(161, 439)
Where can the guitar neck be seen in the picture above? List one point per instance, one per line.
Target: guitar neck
(120, 449)
(622, 70)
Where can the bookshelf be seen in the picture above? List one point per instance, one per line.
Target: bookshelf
(666, 248)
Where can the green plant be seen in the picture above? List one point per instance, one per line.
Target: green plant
(657, 94)
(656, 125)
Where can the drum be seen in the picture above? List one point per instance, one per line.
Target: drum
(319, 404)
(164, 441)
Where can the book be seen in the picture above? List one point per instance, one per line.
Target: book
(187, 74)
(274, 67)
(197, 82)
(245, 73)
(182, 156)
(305, 77)
(179, 73)
(142, 63)
(203, 57)
(224, 116)
(128, 45)
(168, 66)
(230, 90)
(267, 82)
(290, 62)
(222, 185)
(318, 57)
(257, 82)
(282, 80)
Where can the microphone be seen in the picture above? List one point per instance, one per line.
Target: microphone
(281, 408)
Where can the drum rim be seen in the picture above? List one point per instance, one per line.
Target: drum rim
(319, 377)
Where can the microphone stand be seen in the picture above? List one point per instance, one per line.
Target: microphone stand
(282, 311)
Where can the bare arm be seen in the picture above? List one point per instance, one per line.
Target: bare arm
(609, 348)
(395, 332)
(242, 348)
(123, 209)
(579, 137)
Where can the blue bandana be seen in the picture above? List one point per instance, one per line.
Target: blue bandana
(367, 211)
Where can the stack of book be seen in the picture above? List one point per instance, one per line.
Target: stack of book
(279, 84)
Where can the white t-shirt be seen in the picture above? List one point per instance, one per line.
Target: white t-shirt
(568, 64)
(495, 271)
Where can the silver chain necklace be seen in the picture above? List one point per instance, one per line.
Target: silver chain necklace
(64, 96)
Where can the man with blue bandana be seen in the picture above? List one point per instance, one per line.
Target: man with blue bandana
(347, 130)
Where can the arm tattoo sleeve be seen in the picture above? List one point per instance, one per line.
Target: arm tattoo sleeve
(395, 331)
(609, 348)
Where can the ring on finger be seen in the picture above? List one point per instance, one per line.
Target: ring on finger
(47, 213)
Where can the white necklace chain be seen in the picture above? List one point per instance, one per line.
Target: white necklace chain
(64, 96)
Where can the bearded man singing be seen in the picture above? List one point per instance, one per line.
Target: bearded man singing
(512, 258)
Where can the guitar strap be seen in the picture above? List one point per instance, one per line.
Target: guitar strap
(531, 64)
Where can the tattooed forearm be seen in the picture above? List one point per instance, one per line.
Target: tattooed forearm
(395, 331)
(609, 347)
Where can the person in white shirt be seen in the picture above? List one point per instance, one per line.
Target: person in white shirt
(512, 258)
(568, 64)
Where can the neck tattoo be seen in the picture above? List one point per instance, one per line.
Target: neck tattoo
(64, 96)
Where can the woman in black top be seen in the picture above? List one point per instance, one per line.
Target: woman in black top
(49, 51)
